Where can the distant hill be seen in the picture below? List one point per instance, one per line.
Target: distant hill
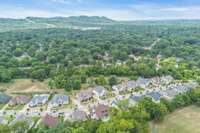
(55, 22)
(79, 22)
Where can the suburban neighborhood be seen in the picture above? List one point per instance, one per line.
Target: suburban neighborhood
(93, 103)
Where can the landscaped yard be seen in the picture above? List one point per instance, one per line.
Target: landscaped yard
(1, 106)
(186, 120)
(65, 106)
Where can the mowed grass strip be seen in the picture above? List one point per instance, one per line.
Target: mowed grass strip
(186, 120)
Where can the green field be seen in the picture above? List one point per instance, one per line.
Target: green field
(186, 120)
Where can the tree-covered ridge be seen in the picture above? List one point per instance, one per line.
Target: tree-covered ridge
(82, 22)
(7, 24)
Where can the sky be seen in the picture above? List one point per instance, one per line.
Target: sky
(114, 9)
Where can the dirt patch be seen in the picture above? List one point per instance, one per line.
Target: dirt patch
(28, 86)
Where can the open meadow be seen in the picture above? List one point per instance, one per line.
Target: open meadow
(186, 120)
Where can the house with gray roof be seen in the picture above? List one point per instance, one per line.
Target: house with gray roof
(84, 96)
(156, 96)
(176, 89)
(22, 117)
(143, 82)
(167, 79)
(39, 100)
(78, 115)
(3, 121)
(99, 91)
(59, 100)
(4, 98)
(131, 84)
(135, 98)
(169, 93)
(114, 103)
(156, 81)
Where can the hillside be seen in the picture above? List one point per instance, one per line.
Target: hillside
(56, 22)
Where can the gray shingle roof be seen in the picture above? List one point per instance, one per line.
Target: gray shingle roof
(60, 99)
(155, 95)
(39, 100)
(84, 95)
(99, 89)
(78, 115)
(143, 81)
(136, 97)
(3, 121)
(4, 98)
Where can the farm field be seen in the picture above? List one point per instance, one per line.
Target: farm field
(186, 120)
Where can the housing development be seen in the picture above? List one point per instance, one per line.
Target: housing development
(93, 103)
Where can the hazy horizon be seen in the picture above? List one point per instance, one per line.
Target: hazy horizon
(169, 19)
(113, 9)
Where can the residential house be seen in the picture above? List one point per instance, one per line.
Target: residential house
(50, 121)
(59, 100)
(169, 93)
(84, 96)
(4, 98)
(99, 91)
(3, 121)
(119, 88)
(143, 82)
(78, 115)
(167, 79)
(179, 88)
(135, 98)
(39, 100)
(155, 81)
(19, 100)
(100, 111)
(154, 95)
(114, 103)
(131, 84)
(22, 117)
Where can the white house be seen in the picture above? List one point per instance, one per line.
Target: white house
(119, 88)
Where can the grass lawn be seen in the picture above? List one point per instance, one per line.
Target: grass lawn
(17, 107)
(1, 106)
(9, 118)
(186, 120)
(65, 106)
